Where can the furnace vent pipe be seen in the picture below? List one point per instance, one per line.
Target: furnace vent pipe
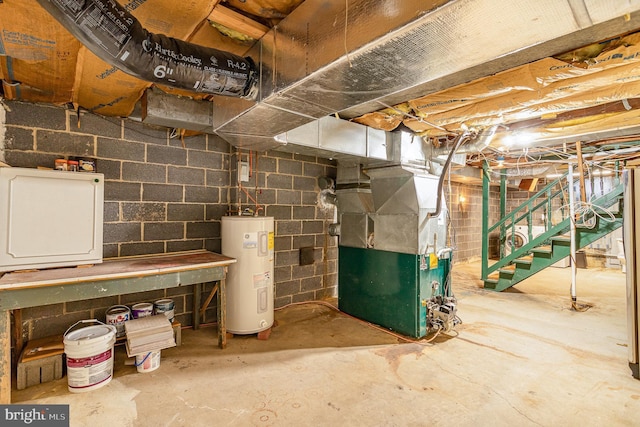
(118, 38)
(462, 138)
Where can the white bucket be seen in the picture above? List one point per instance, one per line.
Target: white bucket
(142, 309)
(165, 306)
(116, 316)
(148, 362)
(89, 355)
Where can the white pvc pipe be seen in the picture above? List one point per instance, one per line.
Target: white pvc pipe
(572, 233)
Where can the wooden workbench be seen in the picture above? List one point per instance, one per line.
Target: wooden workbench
(112, 277)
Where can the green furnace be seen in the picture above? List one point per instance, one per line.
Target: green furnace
(393, 262)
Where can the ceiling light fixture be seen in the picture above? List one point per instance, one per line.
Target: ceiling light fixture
(518, 140)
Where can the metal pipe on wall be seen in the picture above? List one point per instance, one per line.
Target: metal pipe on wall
(572, 231)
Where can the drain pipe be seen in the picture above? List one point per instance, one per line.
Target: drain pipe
(118, 38)
(572, 235)
(465, 136)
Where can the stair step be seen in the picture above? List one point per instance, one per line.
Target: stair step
(555, 247)
(527, 259)
(490, 284)
(508, 269)
(493, 277)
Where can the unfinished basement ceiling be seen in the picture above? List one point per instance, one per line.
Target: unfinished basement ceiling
(506, 69)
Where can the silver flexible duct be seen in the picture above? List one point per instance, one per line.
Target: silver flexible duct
(462, 138)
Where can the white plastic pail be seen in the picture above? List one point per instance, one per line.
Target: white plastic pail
(148, 362)
(117, 315)
(89, 353)
(142, 309)
(165, 306)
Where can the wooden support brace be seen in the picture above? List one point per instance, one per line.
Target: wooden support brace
(206, 303)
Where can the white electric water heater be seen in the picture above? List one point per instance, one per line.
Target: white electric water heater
(249, 240)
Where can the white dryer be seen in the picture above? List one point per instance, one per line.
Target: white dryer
(520, 237)
(515, 239)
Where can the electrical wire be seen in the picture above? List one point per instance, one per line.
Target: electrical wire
(590, 211)
(346, 22)
(450, 228)
(258, 206)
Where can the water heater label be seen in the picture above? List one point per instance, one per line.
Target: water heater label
(271, 245)
(261, 280)
(250, 240)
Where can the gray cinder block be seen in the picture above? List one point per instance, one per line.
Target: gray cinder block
(39, 371)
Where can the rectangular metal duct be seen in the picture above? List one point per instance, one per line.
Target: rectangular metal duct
(400, 190)
(396, 210)
(403, 199)
(334, 138)
(354, 207)
(313, 65)
(161, 109)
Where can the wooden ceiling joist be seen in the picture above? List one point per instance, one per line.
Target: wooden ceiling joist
(237, 22)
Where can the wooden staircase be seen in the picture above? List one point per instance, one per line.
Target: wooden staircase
(554, 244)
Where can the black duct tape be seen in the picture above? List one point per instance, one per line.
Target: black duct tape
(116, 37)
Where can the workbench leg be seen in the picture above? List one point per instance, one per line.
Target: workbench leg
(5, 357)
(222, 313)
(17, 335)
(197, 294)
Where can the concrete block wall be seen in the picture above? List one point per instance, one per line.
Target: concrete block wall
(516, 197)
(466, 219)
(164, 194)
(284, 185)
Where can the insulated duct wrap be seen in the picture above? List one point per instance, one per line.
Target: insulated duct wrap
(116, 36)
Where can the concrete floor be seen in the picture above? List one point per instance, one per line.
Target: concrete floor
(521, 358)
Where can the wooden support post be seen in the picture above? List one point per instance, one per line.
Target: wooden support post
(222, 312)
(485, 219)
(197, 292)
(503, 212)
(5, 357)
(17, 333)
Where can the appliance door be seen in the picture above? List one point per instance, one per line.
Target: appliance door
(514, 241)
(631, 235)
(50, 218)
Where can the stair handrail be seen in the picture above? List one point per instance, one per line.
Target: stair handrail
(540, 193)
(603, 202)
(606, 200)
(509, 221)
